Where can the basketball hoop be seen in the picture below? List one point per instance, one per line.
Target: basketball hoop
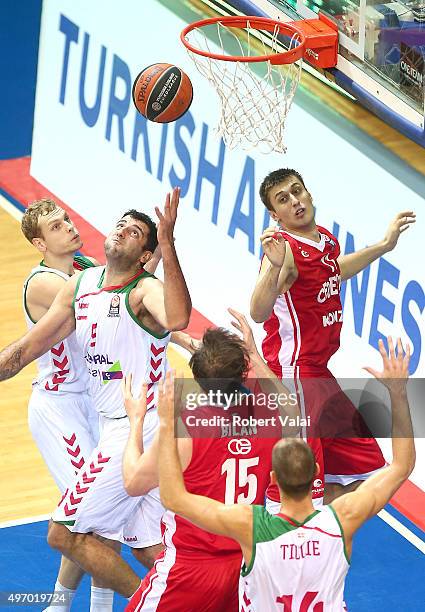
(256, 81)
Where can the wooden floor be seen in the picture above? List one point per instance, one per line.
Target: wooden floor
(27, 489)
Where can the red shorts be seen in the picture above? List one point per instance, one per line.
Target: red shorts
(349, 451)
(342, 445)
(175, 584)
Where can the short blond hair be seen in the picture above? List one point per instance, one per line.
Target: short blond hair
(35, 210)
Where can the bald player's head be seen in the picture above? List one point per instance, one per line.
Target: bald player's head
(294, 467)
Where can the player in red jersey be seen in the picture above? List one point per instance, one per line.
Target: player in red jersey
(297, 296)
(198, 570)
(299, 559)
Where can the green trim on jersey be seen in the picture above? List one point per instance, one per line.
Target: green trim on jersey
(70, 523)
(298, 524)
(125, 288)
(52, 271)
(77, 286)
(265, 528)
(84, 262)
(25, 296)
(136, 320)
(342, 533)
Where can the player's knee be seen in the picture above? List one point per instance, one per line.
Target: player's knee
(147, 556)
(58, 536)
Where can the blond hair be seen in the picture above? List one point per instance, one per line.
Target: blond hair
(35, 210)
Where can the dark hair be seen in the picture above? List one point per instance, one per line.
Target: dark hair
(295, 467)
(221, 358)
(152, 242)
(274, 178)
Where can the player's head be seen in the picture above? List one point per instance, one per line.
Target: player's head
(48, 227)
(294, 468)
(285, 195)
(133, 239)
(222, 356)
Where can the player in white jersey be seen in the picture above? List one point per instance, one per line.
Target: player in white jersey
(61, 416)
(59, 429)
(299, 558)
(139, 311)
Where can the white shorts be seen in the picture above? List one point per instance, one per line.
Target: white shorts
(273, 507)
(65, 428)
(97, 501)
(144, 526)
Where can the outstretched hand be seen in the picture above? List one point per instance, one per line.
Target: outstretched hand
(167, 218)
(395, 371)
(135, 407)
(274, 246)
(398, 225)
(242, 325)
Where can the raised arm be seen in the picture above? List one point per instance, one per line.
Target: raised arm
(234, 521)
(54, 326)
(355, 508)
(270, 383)
(172, 311)
(153, 262)
(277, 274)
(186, 341)
(139, 467)
(353, 263)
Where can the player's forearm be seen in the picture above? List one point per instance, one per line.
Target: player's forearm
(171, 484)
(132, 454)
(265, 295)
(177, 300)
(15, 357)
(271, 385)
(403, 445)
(184, 340)
(152, 264)
(382, 485)
(287, 275)
(353, 263)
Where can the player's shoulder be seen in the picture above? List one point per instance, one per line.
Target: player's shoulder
(82, 262)
(42, 289)
(45, 280)
(148, 282)
(350, 507)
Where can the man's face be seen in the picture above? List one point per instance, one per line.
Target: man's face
(127, 241)
(292, 205)
(58, 234)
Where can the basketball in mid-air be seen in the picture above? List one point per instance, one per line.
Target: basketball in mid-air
(162, 92)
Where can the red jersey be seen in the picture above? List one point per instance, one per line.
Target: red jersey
(231, 469)
(305, 325)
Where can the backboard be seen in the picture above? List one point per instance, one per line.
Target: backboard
(381, 55)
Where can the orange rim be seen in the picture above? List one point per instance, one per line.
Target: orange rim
(258, 23)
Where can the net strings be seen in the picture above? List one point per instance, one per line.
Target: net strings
(254, 98)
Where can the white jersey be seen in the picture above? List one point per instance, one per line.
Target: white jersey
(115, 343)
(295, 566)
(62, 369)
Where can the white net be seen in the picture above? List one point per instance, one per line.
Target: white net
(255, 98)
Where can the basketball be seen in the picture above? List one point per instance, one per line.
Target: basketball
(162, 93)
